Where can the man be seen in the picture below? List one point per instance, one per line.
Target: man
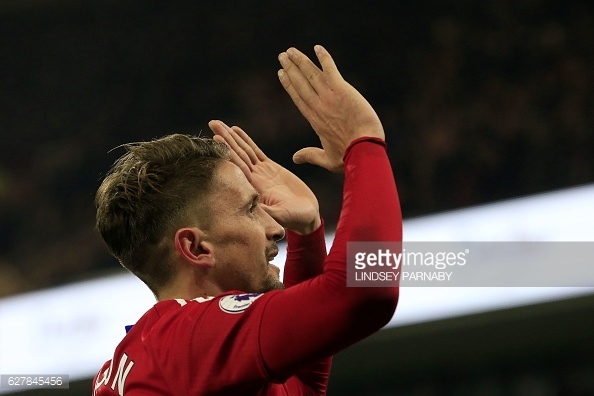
(198, 219)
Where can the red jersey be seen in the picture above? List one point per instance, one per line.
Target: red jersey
(279, 342)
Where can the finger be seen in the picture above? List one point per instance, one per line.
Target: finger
(297, 78)
(221, 129)
(245, 146)
(234, 158)
(331, 72)
(290, 88)
(311, 155)
(317, 156)
(246, 138)
(275, 212)
(272, 211)
(308, 69)
(269, 209)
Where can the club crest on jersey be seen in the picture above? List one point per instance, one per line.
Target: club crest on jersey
(238, 303)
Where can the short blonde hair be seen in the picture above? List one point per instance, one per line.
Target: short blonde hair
(145, 195)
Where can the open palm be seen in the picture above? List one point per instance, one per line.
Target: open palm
(282, 194)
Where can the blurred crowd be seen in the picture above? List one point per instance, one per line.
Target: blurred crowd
(481, 101)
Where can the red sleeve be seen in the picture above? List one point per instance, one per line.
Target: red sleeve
(306, 255)
(319, 317)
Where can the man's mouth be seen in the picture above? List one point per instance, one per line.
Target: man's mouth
(272, 254)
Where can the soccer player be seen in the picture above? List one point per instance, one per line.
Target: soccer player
(198, 219)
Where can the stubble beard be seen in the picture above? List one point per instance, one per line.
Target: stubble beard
(270, 283)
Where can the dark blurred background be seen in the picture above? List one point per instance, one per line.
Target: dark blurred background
(481, 101)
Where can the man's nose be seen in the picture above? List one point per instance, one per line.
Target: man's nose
(274, 230)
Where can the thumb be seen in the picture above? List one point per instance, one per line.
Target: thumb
(276, 212)
(317, 156)
(311, 155)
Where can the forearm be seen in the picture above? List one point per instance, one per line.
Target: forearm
(306, 255)
(370, 208)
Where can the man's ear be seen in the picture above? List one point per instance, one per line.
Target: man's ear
(189, 245)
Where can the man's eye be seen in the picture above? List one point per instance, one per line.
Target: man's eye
(253, 208)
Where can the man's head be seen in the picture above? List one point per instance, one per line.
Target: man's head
(165, 207)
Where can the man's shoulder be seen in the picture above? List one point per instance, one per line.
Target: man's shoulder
(224, 306)
(171, 323)
(229, 302)
(191, 329)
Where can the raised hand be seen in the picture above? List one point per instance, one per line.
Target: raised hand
(337, 112)
(282, 194)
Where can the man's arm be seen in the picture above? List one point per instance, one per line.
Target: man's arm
(320, 317)
(323, 315)
(306, 255)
